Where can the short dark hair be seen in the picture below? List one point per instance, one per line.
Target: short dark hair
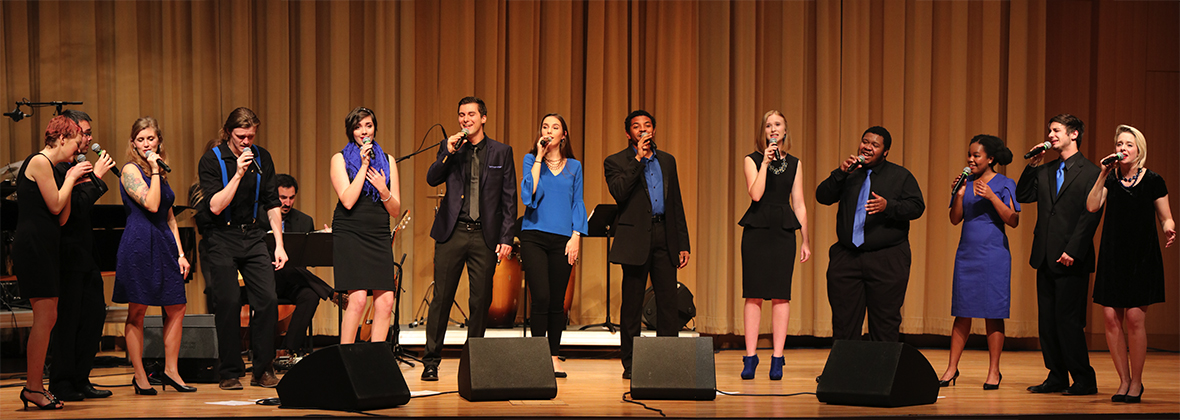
(880, 131)
(995, 148)
(286, 181)
(76, 115)
(483, 108)
(1071, 123)
(637, 113)
(354, 119)
(240, 117)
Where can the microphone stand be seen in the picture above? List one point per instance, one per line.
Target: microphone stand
(440, 127)
(399, 353)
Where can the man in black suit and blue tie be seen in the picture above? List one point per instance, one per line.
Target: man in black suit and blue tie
(1063, 254)
(651, 234)
(473, 225)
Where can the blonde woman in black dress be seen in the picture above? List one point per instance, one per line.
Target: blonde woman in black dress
(775, 184)
(365, 179)
(1130, 273)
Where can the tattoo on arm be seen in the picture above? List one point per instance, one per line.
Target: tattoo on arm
(135, 187)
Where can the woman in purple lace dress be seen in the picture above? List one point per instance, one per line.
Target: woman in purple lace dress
(150, 268)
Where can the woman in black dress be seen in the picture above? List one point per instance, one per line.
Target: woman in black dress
(365, 179)
(775, 184)
(1130, 273)
(44, 205)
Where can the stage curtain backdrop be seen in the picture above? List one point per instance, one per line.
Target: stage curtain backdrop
(935, 73)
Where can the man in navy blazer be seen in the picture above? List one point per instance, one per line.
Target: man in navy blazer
(473, 225)
(651, 234)
(1063, 254)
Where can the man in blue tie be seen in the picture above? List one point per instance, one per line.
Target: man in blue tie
(869, 265)
(1063, 254)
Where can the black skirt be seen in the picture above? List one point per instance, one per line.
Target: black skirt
(362, 247)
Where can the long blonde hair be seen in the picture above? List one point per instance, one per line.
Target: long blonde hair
(760, 138)
(133, 155)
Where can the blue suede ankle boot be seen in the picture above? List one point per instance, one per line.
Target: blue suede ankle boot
(776, 368)
(751, 363)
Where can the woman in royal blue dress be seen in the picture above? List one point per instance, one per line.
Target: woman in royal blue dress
(150, 267)
(983, 263)
(1130, 273)
(552, 228)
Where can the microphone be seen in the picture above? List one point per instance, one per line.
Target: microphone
(257, 165)
(82, 158)
(367, 140)
(774, 141)
(860, 160)
(545, 141)
(650, 142)
(1118, 157)
(1038, 150)
(94, 147)
(465, 132)
(17, 114)
(962, 180)
(150, 155)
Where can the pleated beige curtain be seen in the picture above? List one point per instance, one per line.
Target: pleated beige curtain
(935, 73)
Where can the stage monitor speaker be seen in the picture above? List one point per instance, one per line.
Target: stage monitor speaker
(673, 368)
(877, 374)
(198, 347)
(500, 369)
(351, 377)
(685, 308)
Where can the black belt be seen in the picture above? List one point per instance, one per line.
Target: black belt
(468, 226)
(243, 227)
(657, 218)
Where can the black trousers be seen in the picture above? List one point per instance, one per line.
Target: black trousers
(663, 282)
(1061, 322)
(872, 280)
(81, 313)
(547, 271)
(466, 246)
(290, 285)
(230, 251)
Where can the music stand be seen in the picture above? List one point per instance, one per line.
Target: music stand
(304, 249)
(601, 225)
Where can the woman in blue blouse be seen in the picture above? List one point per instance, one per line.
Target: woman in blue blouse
(554, 220)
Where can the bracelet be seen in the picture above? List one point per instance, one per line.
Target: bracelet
(181, 255)
(155, 174)
(386, 198)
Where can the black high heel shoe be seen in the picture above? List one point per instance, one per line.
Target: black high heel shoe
(949, 382)
(142, 391)
(1134, 399)
(54, 403)
(168, 381)
(989, 387)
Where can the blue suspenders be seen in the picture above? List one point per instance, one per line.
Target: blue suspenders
(225, 181)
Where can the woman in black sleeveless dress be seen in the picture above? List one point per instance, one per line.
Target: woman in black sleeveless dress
(366, 181)
(44, 205)
(1130, 274)
(774, 182)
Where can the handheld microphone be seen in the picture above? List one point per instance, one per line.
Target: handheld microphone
(650, 142)
(860, 160)
(253, 151)
(153, 155)
(545, 141)
(1038, 150)
(367, 141)
(82, 158)
(465, 132)
(94, 147)
(962, 180)
(774, 141)
(1118, 157)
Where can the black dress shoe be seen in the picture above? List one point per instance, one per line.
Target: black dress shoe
(949, 382)
(177, 386)
(1134, 399)
(89, 391)
(64, 394)
(627, 374)
(1118, 398)
(559, 374)
(1045, 389)
(430, 373)
(1075, 390)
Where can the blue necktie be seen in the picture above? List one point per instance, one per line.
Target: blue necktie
(858, 220)
(1061, 175)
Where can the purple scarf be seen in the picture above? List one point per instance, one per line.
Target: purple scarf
(352, 163)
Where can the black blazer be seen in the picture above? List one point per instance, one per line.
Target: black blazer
(624, 178)
(1063, 224)
(297, 222)
(497, 187)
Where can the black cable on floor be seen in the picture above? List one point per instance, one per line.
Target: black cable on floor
(431, 395)
(625, 394)
(736, 394)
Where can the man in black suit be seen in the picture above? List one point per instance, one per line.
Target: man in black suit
(651, 234)
(296, 284)
(473, 225)
(81, 308)
(1063, 254)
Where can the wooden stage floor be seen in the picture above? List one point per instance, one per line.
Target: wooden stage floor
(594, 389)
